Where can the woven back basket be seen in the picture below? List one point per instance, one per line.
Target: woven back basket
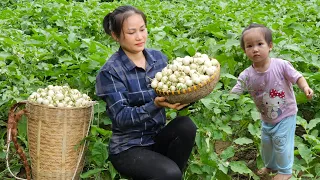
(193, 93)
(54, 136)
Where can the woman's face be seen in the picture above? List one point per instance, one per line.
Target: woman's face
(134, 34)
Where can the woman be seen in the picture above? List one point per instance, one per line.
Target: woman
(142, 146)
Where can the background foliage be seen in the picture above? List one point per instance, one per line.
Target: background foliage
(59, 42)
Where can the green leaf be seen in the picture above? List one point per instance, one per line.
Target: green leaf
(227, 129)
(99, 153)
(316, 148)
(217, 110)
(172, 114)
(255, 115)
(92, 78)
(305, 153)
(254, 130)
(159, 36)
(191, 50)
(60, 39)
(222, 174)
(301, 98)
(302, 122)
(313, 123)
(2, 155)
(198, 140)
(60, 23)
(292, 47)
(231, 42)
(317, 169)
(100, 107)
(112, 170)
(71, 37)
(311, 139)
(243, 140)
(236, 117)
(93, 130)
(107, 121)
(208, 103)
(315, 76)
(4, 55)
(102, 131)
(22, 127)
(227, 75)
(195, 169)
(227, 153)
(232, 97)
(91, 172)
(239, 167)
(207, 169)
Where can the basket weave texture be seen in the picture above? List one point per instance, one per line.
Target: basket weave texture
(54, 136)
(193, 93)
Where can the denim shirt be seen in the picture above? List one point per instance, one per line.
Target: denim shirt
(127, 91)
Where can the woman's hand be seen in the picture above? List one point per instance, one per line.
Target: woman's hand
(161, 102)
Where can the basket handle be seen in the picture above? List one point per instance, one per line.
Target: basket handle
(12, 133)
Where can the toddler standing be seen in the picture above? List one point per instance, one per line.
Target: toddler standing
(269, 81)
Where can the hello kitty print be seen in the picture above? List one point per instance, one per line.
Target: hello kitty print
(273, 103)
(272, 90)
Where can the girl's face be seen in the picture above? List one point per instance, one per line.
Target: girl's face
(255, 46)
(133, 35)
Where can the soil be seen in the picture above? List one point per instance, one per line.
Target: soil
(244, 153)
(300, 131)
(219, 146)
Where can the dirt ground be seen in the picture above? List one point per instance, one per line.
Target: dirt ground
(246, 154)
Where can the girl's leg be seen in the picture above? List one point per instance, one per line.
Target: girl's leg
(142, 163)
(283, 143)
(176, 140)
(266, 150)
(266, 146)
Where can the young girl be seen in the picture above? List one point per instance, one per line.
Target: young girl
(142, 145)
(269, 81)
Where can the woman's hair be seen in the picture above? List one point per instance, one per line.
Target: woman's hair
(113, 21)
(266, 31)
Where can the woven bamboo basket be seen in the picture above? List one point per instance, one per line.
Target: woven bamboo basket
(54, 136)
(193, 93)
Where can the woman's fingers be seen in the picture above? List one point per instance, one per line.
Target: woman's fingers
(182, 106)
(161, 102)
(173, 106)
(158, 101)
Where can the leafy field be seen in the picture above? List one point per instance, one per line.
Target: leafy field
(60, 42)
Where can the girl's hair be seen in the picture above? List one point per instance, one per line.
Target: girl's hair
(113, 21)
(266, 31)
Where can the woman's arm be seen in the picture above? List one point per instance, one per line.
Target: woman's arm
(112, 90)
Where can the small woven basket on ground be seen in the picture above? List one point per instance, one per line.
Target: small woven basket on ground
(193, 93)
(54, 138)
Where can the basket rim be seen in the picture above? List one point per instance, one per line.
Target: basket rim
(192, 88)
(92, 103)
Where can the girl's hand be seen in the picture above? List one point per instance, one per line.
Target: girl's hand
(308, 92)
(161, 102)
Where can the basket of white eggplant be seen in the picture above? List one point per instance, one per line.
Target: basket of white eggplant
(188, 79)
(58, 120)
